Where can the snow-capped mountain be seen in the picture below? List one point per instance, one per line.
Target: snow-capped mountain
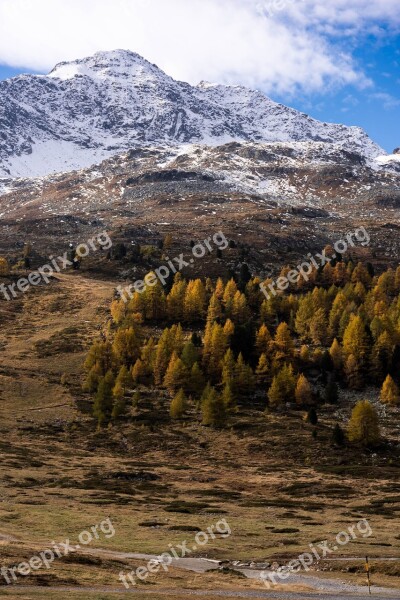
(89, 109)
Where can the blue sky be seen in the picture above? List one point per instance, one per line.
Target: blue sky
(377, 108)
(336, 60)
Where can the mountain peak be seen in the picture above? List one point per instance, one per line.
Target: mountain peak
(91, 108)
(102, 65)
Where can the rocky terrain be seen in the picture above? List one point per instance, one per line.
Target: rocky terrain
(279, 200)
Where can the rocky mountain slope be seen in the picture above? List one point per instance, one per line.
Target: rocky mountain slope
(90, 109)
(280, 201)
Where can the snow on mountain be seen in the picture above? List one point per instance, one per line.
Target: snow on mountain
(389, 158)
(89, 109)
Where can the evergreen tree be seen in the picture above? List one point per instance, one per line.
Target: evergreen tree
(196, 381)
(244, 275)
(338, 436)
(103, 402)
(312, 417)
(190, 354)
(331, 395)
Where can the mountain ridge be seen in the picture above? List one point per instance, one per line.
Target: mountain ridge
(89, 109)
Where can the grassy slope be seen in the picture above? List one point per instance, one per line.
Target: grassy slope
(264, 475)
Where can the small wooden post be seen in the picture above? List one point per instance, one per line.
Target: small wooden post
(368, 575)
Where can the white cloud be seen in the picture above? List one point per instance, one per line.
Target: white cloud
(388, 101)
(279, 46)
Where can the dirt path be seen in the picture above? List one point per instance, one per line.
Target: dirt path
(184, 593)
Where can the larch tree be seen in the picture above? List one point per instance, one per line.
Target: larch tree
(263, 340)
(263, 370)
(355, 341)
(363, 426)
(283, 387)
(178, 405)
(303, 317)
(100, 354)
(283, 343)
(175, 300)
(382, 356)
(228, 398)
(196, 381)
(303, 392)
(336, 355)
(126, 346)
(190, 354)
(319, 327)
(214, 312)
(244, 377)
(229, 294)
(213, 410)
(354, 373)
(139, 372)
(228, 367)
(176, 375)
(240, 311)
(390, 392)
(195, 300)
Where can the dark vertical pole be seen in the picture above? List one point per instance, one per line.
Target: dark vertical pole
(368, 576)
